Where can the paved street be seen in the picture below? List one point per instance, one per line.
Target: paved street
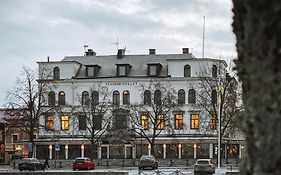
(131, 170)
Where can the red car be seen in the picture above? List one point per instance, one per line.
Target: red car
(83, 163)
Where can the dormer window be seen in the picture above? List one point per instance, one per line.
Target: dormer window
(92, 70)
(123, 70)
(154, 69)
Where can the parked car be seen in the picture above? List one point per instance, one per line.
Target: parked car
(30, 164)
(84, 163)
(148, 161)
(204, 166)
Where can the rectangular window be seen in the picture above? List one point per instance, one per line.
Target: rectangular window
(194, 121)
(144, 121)
(92, 70)
(97, 122)
(82, 125)
(213, 122)
(49, 122)
(64, 122)
(123, 69)
(160, 122)
(154, 69)
(178, 121)
(120, 122)
(15, 138)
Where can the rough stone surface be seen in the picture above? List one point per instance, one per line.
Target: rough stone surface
(257, 25)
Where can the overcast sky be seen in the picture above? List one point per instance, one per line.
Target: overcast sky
(31, 30)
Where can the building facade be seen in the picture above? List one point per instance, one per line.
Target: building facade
(116, 92)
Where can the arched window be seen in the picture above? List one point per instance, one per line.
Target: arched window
(51, 98)
(95, 98)
(85, 98)
(56, 73)
(61, 98)
(181, 96)
(126, 97)
(187, 71)
(191, 96)
(157, 97)
(147, 97)
(214, 71)
(116, 98)
(214, 96)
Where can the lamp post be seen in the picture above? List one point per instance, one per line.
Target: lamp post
(219, 123)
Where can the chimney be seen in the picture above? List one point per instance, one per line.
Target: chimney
(90, 52)
(48, 59)
(185, 50)
(120, 53)
(152, 51)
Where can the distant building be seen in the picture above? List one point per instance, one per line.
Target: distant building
(71, 81)
(13, 140)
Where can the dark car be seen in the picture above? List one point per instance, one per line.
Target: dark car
(84, 163)
(204, 166)
(148, 161)
(30, 164)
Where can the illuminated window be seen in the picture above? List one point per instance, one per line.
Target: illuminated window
(187, 71)
(61, 98)
(194, 121)
(178, 121)
(64, 122)
(126, 97)
(213, 122)
(160, 122)
(144, 121)
(49, 122)
(181, 96)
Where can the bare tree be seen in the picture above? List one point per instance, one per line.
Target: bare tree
(258, 29)
(228, 90)
(25, 104)
(159, 100)
(93, 115)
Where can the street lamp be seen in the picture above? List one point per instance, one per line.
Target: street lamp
(219, 122)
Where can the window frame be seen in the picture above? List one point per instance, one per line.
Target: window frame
(213, 122)
(116, 97)
(187, 70)
(49, 122)
(160, 122)
(181, 96)
(51, 98)
(126, 97)
(64, 121)
(144, 121)
(95, 98)
(157, 97)
(82, 126)
(191, 96)
(61, 98)
(85, 98)
(96, 69)
(178, 121)
(56, 73)
(158, 68)
(147, 97)
(126, 67)
(214, 71)
(194, 121)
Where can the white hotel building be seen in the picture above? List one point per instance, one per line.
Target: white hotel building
(124, 75)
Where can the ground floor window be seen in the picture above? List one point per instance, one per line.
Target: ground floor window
(141, 149)
(42, 151)
(202, 150)
(74, 151)
(172, 151)
(188, 151)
